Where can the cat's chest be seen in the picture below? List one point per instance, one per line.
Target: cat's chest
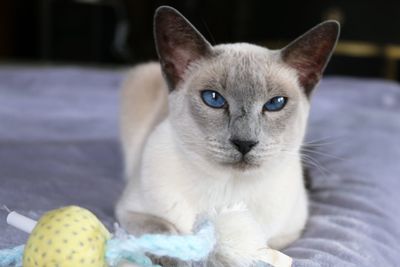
(266, 198)
(218, 193)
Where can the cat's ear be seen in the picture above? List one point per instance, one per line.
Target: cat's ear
(310, 53)
(178, 44)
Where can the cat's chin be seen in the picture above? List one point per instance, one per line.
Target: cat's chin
(242, 165)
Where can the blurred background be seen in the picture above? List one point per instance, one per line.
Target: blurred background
(119, 32)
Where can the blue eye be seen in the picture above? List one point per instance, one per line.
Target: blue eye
(213, 99)
(275, 104)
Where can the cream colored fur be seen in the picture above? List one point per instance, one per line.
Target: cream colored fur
(252, 209)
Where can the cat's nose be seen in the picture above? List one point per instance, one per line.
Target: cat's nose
(244, 146)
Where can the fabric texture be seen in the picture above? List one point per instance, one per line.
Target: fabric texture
(59, 146)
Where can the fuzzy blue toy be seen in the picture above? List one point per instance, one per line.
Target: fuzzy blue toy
(194, 247)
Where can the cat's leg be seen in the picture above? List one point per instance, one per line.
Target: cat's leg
(293, 226)
(133, 213)
(240, 239)
(282, 241)
(138, 223)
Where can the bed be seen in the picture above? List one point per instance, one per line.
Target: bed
(59, 146)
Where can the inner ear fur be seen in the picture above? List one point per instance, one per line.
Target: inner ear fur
(178, 44)
(310, 53)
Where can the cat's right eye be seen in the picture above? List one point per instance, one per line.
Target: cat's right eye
(275, 104)
(213, 99)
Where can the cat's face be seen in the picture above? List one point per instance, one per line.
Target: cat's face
(238, 105)
(243, 79)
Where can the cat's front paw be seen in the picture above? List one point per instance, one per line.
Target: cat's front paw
(240, 239)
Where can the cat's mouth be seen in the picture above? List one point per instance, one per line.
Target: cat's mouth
(244, 163)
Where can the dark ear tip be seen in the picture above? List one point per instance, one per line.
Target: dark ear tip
(332, 22)
(161, 10)
(331, 25)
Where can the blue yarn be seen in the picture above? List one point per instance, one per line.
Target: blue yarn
(11, 257)
(194, 247)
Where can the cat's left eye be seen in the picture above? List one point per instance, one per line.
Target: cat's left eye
(213, 99)
(275, 104)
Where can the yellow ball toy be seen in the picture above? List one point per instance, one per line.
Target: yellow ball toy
(67, 237)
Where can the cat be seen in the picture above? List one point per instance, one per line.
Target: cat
(217, 130)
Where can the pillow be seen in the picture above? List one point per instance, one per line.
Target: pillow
(353, 150)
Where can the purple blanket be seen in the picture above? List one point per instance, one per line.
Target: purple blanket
(59, 146)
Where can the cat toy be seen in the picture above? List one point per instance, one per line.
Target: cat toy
(73, 237)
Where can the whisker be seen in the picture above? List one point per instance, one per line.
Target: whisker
(314, 162)
(329, 140)
(308, 161)
(312, 151)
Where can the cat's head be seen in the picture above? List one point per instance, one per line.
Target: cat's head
(239, 105)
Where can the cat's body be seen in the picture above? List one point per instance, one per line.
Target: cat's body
(183, 158)
(178, 186)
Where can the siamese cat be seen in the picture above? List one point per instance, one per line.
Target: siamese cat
(217, 130)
